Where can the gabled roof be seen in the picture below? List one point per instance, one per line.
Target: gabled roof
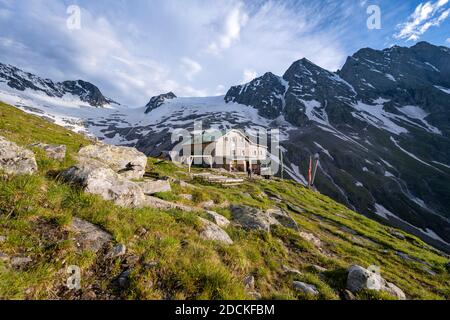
(212, 137)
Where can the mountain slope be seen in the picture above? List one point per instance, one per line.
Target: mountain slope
(165, 256)
(381, 126)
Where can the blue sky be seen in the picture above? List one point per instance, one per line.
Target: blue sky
(135, 49)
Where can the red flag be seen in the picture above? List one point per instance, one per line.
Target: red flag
(310, 171)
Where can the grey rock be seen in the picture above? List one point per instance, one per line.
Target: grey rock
(88, 236)
(360, 278)
(283, 218)
(395, 291)
(127, 162)
(252, 218)
(150, 187)
(53, 151)
(213, 232)
(20, 262)
(218, 219)
(16, 160)
(207, 204)
(117, 251)
(157, 203)
(291, 271)
(97, 179)
(305, 288)
(319, 269)
(2, 239)
(249, 282)
(311, 238)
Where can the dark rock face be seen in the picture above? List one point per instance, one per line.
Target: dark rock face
(266, 92)
(382, 127)
(157, 101)
(20, 80)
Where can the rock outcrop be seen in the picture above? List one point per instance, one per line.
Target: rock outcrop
(16, 160)
(95, 178)
(127, 162)
(252, 218)
(360, 279)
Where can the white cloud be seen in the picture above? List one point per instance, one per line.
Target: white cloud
(426, 15)
(193, 48)
(249, 75)
(234, 22)
(190, 68)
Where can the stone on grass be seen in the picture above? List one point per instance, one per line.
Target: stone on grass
(359, 279)
(249, 282)
(117, 251)
(95, 178)
(305, 288)
(15, 160)
(20, 262)
(283, 218)
(88, 236)
(213, 232)
(150, 187)
(291, 271)
(218, 219)
(128, 162)
(252, 218)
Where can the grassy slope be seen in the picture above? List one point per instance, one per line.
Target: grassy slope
(35, 212)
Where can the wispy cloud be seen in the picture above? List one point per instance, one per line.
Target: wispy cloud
(425, 16)
(231, 29)
(190, 68)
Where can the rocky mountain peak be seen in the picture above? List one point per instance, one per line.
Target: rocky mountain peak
(18, 79)
(157, 101)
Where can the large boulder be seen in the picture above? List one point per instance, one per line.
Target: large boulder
(95, 178)
(359, 279)
(213, 232)
(128, 162)
(53, 151)
(150, 187)
(252, 218)
(16, 160)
